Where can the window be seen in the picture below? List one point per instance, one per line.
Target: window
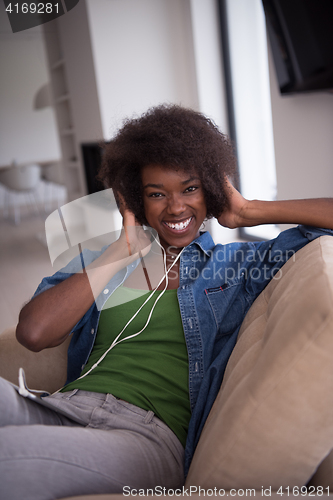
(248, 92)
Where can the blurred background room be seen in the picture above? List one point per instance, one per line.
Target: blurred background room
(67, 85)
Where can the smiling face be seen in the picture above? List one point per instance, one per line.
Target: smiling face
(174, 204)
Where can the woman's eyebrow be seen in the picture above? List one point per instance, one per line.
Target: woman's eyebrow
(159, 186)
(191, 179)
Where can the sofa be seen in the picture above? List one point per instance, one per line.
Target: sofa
(271, 426)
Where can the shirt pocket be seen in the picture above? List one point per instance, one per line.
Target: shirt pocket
(228, 305)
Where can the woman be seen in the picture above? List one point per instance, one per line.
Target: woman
(154, 318)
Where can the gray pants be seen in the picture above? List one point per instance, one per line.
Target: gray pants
(46, 455)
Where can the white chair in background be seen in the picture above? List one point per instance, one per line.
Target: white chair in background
(16, 180)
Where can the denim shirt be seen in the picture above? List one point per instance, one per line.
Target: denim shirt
(217, 286)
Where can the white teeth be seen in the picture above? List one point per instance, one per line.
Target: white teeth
(180, 226)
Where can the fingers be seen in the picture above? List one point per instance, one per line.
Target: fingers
(136, 239)
(120, 202)
(137, 242)
(128, 241)
(229, 186)
(227, 181)
(128, 216)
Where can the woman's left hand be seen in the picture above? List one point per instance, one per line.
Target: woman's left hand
(241, 212)
(233, 216)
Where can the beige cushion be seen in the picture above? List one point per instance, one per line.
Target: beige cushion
(272, 422)
(45, 370)
(324, 474)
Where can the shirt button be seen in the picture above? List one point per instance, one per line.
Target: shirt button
(106, 291)
(92, 331)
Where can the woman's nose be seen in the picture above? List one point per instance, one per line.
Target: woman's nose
(176, 205)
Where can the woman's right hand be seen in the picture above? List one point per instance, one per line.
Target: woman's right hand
(137, 241)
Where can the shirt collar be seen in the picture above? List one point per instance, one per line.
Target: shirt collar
(205, 242)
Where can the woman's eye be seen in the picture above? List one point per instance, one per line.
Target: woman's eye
(155, 195)
(190, 189)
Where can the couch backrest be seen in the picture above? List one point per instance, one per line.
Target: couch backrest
(272, 419)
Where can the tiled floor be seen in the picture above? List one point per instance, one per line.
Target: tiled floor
(24, 261)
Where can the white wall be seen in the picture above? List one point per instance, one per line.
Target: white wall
(303, 132)
(208, 61)
(210, 81)
(26, 135)
(143, 56)
(80, 72)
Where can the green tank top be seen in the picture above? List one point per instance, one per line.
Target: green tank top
(149, 370)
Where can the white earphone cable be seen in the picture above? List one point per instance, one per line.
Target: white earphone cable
(116, 341)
